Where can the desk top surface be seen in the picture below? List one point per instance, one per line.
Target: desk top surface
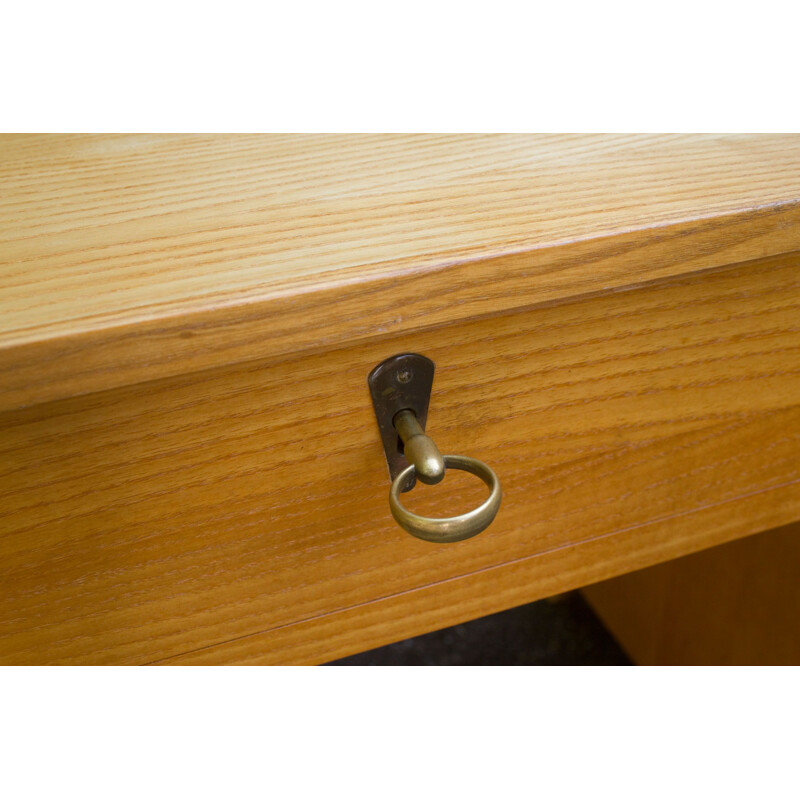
(103, 232)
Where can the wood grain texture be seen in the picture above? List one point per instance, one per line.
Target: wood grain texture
(451, 602)
(249, 503)
(737, 604)
(129, 258)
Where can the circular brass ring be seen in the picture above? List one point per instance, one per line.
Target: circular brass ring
(449, 529)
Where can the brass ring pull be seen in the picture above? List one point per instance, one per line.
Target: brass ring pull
(448, 529)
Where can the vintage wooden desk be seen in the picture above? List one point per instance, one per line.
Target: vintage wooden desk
(191, 468)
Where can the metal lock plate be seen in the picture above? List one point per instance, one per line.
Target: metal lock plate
(402, 381)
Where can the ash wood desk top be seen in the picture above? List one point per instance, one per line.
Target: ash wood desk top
(125, 258)
(190, 470)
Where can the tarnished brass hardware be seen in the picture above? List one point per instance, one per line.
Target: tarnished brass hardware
(419, 449)
(449, 529)
(402, 382)
(401, 388)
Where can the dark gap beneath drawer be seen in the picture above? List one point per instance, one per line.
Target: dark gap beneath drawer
(559, 631)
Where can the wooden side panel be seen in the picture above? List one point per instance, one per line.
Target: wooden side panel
(737, 604)
(137, 525)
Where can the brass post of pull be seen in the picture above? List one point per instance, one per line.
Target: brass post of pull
(419, 448)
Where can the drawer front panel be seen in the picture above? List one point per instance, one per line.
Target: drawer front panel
(159, 522)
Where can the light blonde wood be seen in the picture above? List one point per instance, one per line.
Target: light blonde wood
(129, 258)
(249, 503)
(737, 604)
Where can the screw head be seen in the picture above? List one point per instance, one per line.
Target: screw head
(404, 375)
